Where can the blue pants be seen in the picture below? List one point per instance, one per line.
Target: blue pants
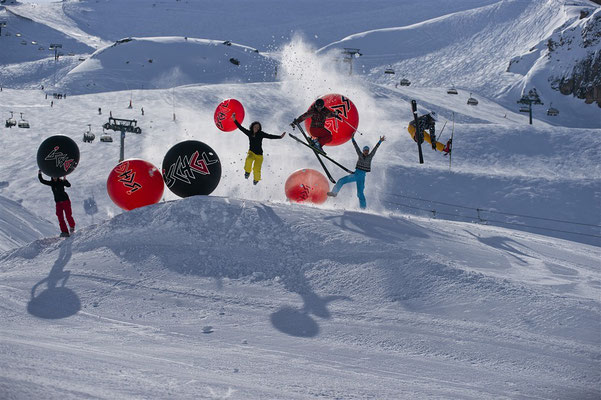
(359, 177)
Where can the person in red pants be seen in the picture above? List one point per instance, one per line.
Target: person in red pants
(318, 114)
(63, 204)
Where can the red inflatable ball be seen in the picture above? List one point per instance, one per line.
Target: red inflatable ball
(307, 186)
(135, 183)
(223, 114)
(343, 126)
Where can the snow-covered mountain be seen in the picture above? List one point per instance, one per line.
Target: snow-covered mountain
(477, 279)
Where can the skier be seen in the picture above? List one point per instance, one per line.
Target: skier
(318, 114)
(363, 166)
(63, 204)
(254, 158)
(426, 121)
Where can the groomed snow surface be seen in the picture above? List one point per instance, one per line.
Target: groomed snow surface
(479, 280)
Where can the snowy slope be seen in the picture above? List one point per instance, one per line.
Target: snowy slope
(298, 303)
(138, 63)
(19, 226)
(467, 50)
(477, 281)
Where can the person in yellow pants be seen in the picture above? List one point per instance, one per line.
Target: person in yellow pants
(254, 157)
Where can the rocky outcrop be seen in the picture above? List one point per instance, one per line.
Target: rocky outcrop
(583, 80)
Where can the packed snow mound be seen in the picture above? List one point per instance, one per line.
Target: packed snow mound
(165, 62)
(280, 280)
(18, 226)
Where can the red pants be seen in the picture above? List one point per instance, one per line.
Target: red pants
(64, 206)
(322, 134)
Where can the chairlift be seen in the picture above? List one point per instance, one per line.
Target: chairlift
(105, 137)
(23, 123)
(34, 42)
(472, 101)
(389, 71)
(405, 82)
(24, 42)
(10, 122)
(41, 48)
(17, 34)
(88, 137)
(452, 90)
(553, 112)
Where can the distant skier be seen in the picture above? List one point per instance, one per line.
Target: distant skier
(254, 157)
(318, 114)
(99, 111)
(426, 122)
(142, 110)
(363, 166)
(63, 204)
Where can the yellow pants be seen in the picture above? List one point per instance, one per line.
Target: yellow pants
(411, 130)
(256, 168)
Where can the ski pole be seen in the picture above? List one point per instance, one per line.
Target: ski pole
(354, 127)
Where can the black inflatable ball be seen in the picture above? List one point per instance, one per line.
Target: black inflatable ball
(191, 168)
(58, 156)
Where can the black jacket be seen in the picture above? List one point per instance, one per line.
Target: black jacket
(58, 188)
(256, 141)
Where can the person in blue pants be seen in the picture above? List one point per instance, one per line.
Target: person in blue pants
(363, 166)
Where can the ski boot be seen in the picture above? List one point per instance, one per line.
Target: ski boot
(255, 182)
(246, 175)
(332, 194)
(318, 146)
(64, 234)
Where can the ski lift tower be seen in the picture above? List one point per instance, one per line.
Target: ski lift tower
(349, 55)
(55, 47)
(123, 126)
(529, 99)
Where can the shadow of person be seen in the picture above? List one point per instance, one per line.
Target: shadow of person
(387, 229)
(504, 244)
(294, 322)
(55, 301)
(298, 322)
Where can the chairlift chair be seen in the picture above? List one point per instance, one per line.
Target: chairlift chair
(88, 137)
(553, 112)
(472, 101)
(105, 137)
(452, 90)
(389, 71)
(10, 122)
(405, 82)
(23, 123)
(24, 42)
(524, 109)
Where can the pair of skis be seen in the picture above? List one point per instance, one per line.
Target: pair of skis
(318, 154)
